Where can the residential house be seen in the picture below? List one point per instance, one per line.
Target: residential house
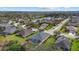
(74, 21)
(7, 29)
(36, 21)
(72, 30)
(63, 43)
(43, 26)
(35, 29)
(48, 19)
(39, 37)
(25, 32)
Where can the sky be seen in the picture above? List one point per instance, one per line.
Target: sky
(39, 8)
(39, 5)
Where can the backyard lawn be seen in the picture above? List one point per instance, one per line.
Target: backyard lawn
(64, 30)
(49, 27)
(75, 45)
(47, 45)
(12, 37)
(49, 42)
(15, 37)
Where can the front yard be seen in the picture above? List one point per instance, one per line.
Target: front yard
(49, 27)
(75, 45)
(13, 37)
(49, 42)
(47, 45)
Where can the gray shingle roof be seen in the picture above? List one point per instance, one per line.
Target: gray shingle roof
(9, 29)
(39, 37)
(25, 32)
(63, 42)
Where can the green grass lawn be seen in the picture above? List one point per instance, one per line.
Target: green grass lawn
(63, 30)
(49, 42)
(34, 33)
(78, 30)
(13, 37)
(75, 45)
(19, 40)
(49, 27)
(47, 45)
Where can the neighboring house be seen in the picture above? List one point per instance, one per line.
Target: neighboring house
(52, 20)
(77, 37)
(36, 21)
(7, 29)
(73, 33)
(25, 32)
(39, 37)
(74, 21)
(63, 43)
(35, 29)
(43, 26)
(72, 30)
(48, 19)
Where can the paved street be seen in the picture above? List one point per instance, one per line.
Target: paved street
(58, 27)
(53, 30)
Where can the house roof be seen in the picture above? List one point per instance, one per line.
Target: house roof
(71, 28)
(63, 41)
(43, 26)
(25, 32)
(39, 37)
(9, 29)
